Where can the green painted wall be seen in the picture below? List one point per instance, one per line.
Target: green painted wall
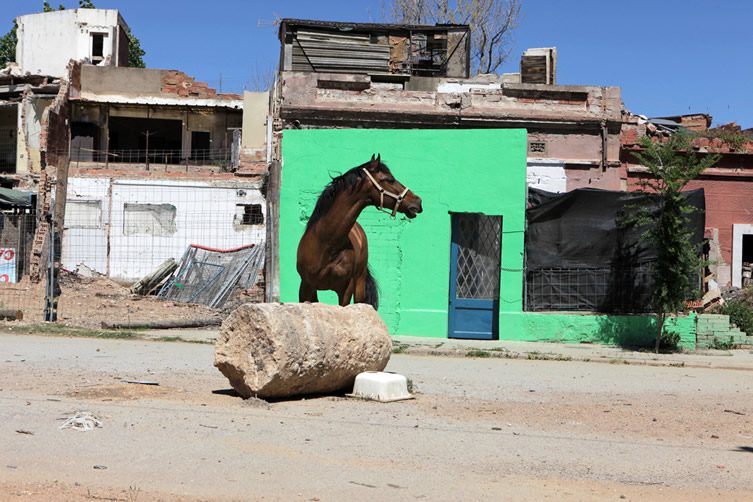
(452, 170)
(624, 330)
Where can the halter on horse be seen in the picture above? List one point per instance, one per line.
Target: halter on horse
(333, 252)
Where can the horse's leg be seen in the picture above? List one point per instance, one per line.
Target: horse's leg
(307, 293)
(359, 293)
(361, 254)
(346, 294)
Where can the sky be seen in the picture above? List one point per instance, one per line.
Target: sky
(670, 57)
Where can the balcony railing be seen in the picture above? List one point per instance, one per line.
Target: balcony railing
(221, 158)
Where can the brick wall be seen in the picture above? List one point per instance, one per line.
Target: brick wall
(177, 82)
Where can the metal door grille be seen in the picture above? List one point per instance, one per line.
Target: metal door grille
(478, 239)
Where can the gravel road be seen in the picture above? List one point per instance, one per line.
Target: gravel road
(479, 429)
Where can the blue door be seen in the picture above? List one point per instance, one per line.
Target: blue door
(474, 276)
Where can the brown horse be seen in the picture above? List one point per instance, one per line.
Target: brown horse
(333, 253)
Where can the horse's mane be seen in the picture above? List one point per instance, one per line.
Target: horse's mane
(346, 181)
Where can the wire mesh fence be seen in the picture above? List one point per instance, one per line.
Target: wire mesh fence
(608, 290)
(118, 232)
(21, 295)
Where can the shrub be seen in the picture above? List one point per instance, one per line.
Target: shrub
(740, 313)
(670, 341)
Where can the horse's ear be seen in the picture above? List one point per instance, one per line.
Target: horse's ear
(374, 162)
(379, 158)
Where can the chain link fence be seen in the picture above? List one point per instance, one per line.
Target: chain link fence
(22, 296)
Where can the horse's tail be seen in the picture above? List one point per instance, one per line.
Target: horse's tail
(372, 291)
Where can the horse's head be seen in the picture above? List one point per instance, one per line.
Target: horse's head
(388, 193)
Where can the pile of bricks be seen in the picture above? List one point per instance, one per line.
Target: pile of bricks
(715, 329)
(177, 82)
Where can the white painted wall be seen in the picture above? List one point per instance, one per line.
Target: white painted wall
(546, 174)
(85, 231)
(738, 230)
(47, 41)
(205, 214)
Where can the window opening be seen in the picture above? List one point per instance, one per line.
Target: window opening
(98, 47)
(249, 214)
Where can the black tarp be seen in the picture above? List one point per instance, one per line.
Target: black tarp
(580, 254)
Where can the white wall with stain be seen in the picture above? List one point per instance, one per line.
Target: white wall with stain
(145, 222)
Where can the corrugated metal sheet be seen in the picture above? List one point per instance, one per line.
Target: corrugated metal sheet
(344, 53)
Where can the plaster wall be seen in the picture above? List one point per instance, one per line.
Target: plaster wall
(738, 231)
(546, 174)
(255, 112)
(48, 41)
(179, 213)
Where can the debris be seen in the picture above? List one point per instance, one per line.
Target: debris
(142, 382)
(100, 466)
(734, 412)
(82, 421)
(22, 431)
(153, 280)
(208, 426)
(86, 272)
(714, 436)
(189, 323)
(208, 276)
(11, 315)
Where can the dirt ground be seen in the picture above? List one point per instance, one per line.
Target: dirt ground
(479, 429)
(87, 302)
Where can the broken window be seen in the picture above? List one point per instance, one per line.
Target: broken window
(83, 213)
(98, 47)
(248, 214)
(149, 219)
(428, 53)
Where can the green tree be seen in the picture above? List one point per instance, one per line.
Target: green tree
(86, 4)
(671, 166)
(46, 7)
(135, 52)
(8, 46)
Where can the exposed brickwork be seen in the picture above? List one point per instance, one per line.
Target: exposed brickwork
(177, 82)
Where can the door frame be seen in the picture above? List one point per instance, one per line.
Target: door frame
(467, 304)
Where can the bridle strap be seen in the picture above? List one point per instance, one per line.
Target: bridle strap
(383, 192)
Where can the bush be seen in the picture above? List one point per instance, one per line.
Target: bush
(669, 341)
(740, 313)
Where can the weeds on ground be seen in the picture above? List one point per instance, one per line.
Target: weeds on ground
(411, 386)
(669, 341)
(718, 344)
(478, 353)
(179, 339)
(62, 330)
(399, 348)
(547, 356)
